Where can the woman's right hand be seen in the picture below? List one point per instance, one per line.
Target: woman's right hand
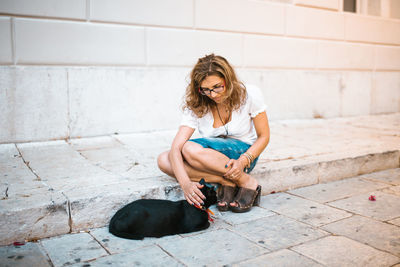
(192, 193)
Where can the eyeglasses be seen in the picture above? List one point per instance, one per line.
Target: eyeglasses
(217, 90)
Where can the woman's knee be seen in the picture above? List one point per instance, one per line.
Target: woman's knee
(192, 153)
(163, 162)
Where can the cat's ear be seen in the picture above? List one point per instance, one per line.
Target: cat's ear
(202, 182)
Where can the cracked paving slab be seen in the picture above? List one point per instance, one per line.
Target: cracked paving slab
(116, 245)
(197, 251)
(391, 176)
(34, 217)
(337, 190)
(303, 210)
(374, 233)
(53, 161)
(93, 143)
(234, 219)
(147, 146)
(341, 251)
(16, 178)
(277, 232)
(148, 256)
(30, 254)
(374, 122)
(386, 206)
(72, 248)
(394, 190)
(282, 257)
(114, 159)
(395, 221)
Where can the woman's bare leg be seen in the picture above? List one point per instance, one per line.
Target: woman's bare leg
(214, 162)
(193, 173)
(208, 159)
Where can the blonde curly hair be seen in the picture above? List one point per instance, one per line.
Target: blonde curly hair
(218, 66)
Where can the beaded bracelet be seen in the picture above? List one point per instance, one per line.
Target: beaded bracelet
(248, 161)
(249, 157)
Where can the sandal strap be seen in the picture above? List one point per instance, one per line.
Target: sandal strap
(245, 197)
(228, 193)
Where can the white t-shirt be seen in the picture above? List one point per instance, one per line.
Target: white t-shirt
(241, 125)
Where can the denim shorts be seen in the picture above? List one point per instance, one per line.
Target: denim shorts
(232, 148)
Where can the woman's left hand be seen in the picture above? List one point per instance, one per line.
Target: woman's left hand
(235, 171)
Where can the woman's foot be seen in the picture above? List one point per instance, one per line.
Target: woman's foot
(227, 195)
(246, 199)
(248, 194)
(247, 181)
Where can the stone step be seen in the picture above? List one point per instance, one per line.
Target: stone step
(57, 187)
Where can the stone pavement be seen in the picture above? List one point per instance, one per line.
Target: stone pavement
(329, 224)
(58, 187)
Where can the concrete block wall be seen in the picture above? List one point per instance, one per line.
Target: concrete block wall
(75, 68)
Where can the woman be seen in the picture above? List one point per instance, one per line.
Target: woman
(235, 130)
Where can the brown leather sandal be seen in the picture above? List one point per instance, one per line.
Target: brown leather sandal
(227, 195)
(245, 199)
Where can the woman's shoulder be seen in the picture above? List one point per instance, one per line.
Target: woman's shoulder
(187, 112)
(253, 91)
(253, 94)
(255, 100)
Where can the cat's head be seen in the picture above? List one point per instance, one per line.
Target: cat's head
(209, 191)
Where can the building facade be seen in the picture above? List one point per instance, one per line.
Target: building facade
(78, 68)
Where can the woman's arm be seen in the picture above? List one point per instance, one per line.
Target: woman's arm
(175, 155)
(262, 129)
(176, 159)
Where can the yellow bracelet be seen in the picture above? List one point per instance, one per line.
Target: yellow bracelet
(248, 161)
(249, 157)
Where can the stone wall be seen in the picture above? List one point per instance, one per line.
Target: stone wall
(74, 68)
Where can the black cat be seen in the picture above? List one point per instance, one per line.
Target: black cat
(157, 218)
